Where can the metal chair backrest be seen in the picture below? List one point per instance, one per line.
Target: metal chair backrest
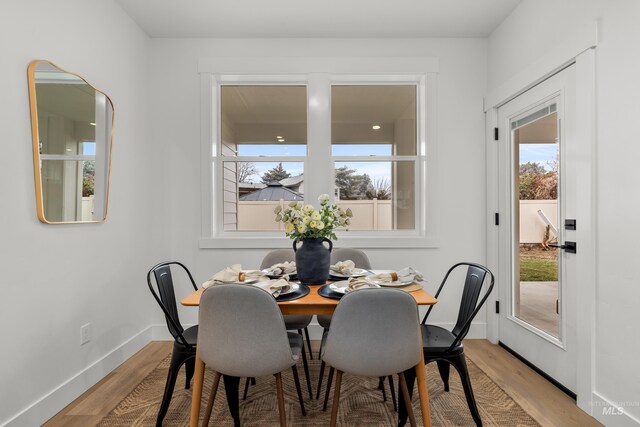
(241, 332)
(469, 305)
(374, 332)
(166, 297)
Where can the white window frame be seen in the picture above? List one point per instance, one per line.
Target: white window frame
(345, 71)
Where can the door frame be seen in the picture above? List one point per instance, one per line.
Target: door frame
(586, 223)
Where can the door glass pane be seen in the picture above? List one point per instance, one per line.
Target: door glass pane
(263, 120)
(536, 206)
(380, 194)
(252, 190)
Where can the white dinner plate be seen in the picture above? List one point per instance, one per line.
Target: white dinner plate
(294, 287)
(339, 287)
(357, 272)
(277, 276)
(395, 284)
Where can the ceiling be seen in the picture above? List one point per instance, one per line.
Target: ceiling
(324, 18)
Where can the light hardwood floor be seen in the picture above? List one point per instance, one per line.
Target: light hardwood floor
(543, 401)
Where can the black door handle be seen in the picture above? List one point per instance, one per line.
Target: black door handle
(570, 247)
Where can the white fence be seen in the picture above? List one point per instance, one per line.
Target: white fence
(378, 215)
(367, 215)
(532, 226)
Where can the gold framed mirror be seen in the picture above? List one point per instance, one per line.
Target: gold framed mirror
(72, 132)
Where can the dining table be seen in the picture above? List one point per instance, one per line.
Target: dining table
(312, 303)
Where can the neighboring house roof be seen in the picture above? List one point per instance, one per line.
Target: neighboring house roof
(292, 180)
(251, 185)
(273, 191)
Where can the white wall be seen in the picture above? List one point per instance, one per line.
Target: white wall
(460, 202)
(57, 278)
(534, 30)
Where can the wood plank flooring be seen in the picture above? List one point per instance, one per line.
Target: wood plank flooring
(543, 401)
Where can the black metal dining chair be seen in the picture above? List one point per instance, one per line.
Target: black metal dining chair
(445, 347)
(184, 340)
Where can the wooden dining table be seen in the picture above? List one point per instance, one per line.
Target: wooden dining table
(312, 303)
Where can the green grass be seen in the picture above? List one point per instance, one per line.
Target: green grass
(538, 270)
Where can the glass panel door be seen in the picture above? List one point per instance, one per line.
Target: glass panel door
(535, 293)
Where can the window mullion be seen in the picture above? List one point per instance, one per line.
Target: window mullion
(318, 166)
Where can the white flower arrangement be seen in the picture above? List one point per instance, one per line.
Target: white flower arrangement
(305, 222)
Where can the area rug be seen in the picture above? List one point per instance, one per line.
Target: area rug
(361, 402)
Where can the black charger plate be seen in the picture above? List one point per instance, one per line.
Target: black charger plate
(326, 292)
(302, 291)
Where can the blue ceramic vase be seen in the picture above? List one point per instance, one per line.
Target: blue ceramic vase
(313, 260)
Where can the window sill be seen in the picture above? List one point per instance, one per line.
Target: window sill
(371, 242)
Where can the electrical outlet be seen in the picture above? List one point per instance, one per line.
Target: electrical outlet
(85, 333)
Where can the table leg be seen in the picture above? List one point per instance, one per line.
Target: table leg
(423, 391)
(196, 391)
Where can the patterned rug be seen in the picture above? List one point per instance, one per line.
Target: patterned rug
(361, 402)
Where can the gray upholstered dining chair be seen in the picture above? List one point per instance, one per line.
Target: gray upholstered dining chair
(293, 322)
(375, 332)
(242, 334)
(361, 260)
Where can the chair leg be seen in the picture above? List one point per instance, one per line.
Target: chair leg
(212, 398)
(280, 391)
(381, 388)
(461, 366)
(336, 399)
(407, 399)
(393, 393)
(320, 380)
(328, 390)
(443, 368)
(177, 359)
(189, 366)
(246, 388)
(306, 334)
(296, 379)
(231, 385)
(324, 332)
(305, 366)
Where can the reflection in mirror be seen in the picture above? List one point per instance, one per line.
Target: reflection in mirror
(72, 126)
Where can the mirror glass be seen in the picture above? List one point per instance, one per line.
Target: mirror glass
(72, 127)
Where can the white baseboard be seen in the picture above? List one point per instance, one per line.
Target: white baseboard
(612, 414)
(55, 400)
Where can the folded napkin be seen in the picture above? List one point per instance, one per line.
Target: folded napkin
(406, 275)
(344, 268)
(232, 274)
(360, 283)
(275, 286)
(282, 268)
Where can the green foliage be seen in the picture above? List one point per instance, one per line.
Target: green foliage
(379, 189)
(88, 178)
(304, 221)
(276, 174)
(351, 185)
(535, 183)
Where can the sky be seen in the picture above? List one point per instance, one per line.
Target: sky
(538, 153)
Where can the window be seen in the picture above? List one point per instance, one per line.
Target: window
(275, 139)
(374, 147)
